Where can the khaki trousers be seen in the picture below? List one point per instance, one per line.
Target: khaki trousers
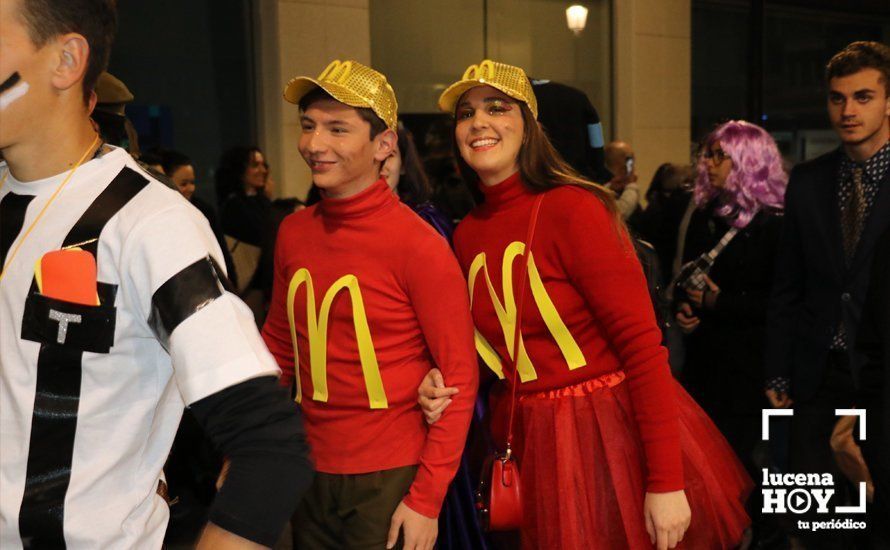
(350, 511)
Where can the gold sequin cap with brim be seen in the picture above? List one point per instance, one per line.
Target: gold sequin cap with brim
(506, 78)
(351, 83)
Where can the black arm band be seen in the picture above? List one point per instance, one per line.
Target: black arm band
(260, 431)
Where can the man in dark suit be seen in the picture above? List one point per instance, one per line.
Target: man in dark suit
(874, 343)
(836, 207)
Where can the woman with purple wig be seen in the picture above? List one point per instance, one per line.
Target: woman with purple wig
(739, 192)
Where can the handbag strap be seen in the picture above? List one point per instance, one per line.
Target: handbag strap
(517, 330)
(677, 264)
(718, 248)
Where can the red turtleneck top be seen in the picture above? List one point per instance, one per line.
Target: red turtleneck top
(396, 306)
(587, 309)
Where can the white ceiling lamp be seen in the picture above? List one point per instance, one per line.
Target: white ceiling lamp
(576, 18)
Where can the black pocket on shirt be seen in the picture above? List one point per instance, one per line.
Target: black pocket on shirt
(69, 325)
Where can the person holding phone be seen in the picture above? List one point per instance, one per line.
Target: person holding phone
(620, 162)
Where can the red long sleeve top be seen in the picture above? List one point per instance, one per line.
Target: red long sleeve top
(587, 309)
(376, 299)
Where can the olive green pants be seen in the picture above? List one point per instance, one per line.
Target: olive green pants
(350, 511)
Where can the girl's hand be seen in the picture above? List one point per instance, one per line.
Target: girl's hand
(433, 396)
(667, 518)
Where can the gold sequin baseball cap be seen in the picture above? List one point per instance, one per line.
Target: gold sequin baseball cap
(506, 78)
(351, 83)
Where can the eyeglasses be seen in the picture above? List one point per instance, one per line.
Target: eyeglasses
(716, 154)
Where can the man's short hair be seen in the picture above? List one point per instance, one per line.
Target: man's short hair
(859, 56)
(368, 115)
(95, 20)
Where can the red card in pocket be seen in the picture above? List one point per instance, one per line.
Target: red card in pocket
(69, 275)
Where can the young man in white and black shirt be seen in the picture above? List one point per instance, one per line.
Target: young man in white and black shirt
(91, 393)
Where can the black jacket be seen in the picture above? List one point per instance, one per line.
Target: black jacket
(814, 290)
(659, 224)
(725, 354)
(874, 343)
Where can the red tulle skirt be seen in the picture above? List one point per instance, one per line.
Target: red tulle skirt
(583, 472)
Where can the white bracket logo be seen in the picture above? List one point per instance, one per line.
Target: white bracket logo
(799, 504)
(766, 415)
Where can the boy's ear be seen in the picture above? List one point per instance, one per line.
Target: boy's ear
(386, 142)
(73, 58)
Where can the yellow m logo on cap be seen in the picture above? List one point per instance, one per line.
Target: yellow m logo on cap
(318, 337)
(479, 72)
(506, 313)
(336, 71)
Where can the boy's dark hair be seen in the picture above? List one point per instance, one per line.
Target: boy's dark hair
(859, 56)
(368, 115)
(95, 20)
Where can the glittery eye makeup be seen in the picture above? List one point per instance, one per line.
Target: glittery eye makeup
(498, 107)
(493, 106)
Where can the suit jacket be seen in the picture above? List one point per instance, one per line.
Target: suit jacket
(814, 290)
(874, 343)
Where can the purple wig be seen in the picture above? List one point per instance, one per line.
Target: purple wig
(757, 179)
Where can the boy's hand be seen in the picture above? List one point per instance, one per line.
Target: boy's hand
(419, 531)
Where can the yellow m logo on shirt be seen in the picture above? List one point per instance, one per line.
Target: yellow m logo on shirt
(318, 337)
(506, 313)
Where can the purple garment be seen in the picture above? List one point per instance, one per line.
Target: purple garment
(436, 218)
(459, 527)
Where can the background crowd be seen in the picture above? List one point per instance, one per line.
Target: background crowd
(762, 286)
(724, 208)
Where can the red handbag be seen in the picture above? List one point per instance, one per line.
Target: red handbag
(499, 496)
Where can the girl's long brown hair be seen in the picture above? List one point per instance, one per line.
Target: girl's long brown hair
(542, 167)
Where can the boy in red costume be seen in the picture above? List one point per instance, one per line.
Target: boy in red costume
(367, 299)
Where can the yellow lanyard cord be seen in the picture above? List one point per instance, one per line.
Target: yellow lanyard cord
(45, 206)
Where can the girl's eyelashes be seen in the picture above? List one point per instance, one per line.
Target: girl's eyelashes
(493, 108)
(499, 106)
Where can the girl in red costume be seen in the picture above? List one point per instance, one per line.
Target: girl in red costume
(613, 453)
